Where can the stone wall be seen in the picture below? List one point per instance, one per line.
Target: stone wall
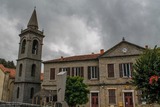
(16, 104)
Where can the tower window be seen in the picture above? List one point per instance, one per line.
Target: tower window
(33, 70)
(18, 92)
(20, 70)
(23, 46)
(32, 93)
(35, 47)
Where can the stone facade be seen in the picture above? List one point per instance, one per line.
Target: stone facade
(16, 104)
(7, 77)
(106, 84)
(28, 70)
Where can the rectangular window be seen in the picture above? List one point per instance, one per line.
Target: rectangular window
(112, 96)
(77, 71)
(110, 70)
(67, 69)
(93, 72)
(125, 69)
(52, 74)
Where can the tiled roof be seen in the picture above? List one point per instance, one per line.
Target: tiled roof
(11, 71)
(75, 58)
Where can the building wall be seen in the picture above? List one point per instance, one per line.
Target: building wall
(2, 75)
(10, 89)
(102, 85)
(6, 86)
(5, 93)
(112, 83)
(51, 84)
(116, 61)
(94, 85)
(118, 83)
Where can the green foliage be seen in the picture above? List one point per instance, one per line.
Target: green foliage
(8, 64)
(145, 67)
(76, 91)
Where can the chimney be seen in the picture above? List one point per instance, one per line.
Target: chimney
(61, 57)
(101, 51)
(146, 46)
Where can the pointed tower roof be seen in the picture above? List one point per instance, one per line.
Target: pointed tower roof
(33, 23)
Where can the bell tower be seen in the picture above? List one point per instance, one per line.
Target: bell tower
(28, 70)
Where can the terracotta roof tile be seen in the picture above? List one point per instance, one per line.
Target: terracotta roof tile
(11, 71)
(74, 58)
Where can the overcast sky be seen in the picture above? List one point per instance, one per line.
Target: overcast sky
(74, 27)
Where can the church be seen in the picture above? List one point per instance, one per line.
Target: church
(107, 73)
(28, 69)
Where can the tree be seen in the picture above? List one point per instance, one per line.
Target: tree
(146, 75)
(8, 64)
(76, 91)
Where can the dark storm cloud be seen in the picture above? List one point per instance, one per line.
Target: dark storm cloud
(80, 26)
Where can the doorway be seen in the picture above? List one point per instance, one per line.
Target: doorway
(128, 99)
(94, 100)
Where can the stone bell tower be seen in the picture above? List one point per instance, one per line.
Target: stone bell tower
(28, 70)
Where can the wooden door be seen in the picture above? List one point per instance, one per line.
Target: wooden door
(94, 99)
(128, 99)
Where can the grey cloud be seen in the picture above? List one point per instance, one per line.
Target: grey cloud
(66, 24)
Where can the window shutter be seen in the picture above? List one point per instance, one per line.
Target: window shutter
(131, 67)
(89, 72)
(52, 73)
(60, 69)
(72, 71)
(68, 71)
(110, 70)
(82, 72)
(97, 69)
(120, 70)
(112, 96)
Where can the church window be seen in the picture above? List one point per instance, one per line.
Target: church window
(33, 70)
(20, 70)
(23, 46)
(18, 92)
(32, 93)
(35, 47)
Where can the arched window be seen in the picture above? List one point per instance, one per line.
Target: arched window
(20, 70)
(33, 70)
(23, 46)
(18, 92)
(32, 93)
(35, 47)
